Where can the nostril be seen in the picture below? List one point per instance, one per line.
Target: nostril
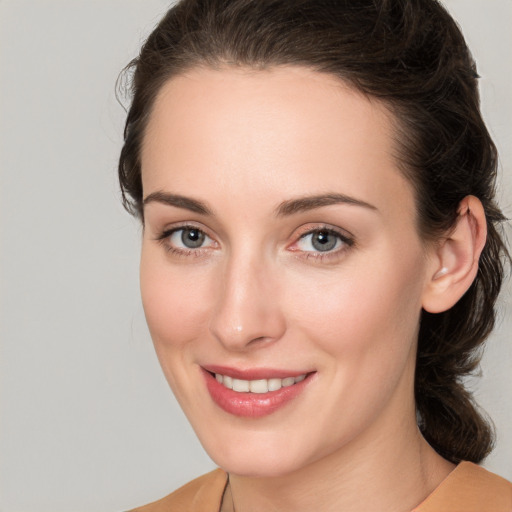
(259, 341)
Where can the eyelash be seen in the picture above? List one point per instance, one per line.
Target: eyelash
(164, 240)
(346, 243)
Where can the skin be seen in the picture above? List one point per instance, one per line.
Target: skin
(258, 294)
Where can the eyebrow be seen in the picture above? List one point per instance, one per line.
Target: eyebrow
(178, 201)
(303, 204)
(286, 208)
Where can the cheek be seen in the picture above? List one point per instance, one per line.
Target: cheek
(177, 311)
(174, 299)
(363, 310)
(362, 325)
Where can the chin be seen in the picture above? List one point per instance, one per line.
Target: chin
(256, 455)
(263, 467)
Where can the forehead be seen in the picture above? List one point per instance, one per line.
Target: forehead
(289, 130)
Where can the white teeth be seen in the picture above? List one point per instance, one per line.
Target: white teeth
(289, 381)
(257, 386)
(274, 384)
(227, 381)
(241, 386)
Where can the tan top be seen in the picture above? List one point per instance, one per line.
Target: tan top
(468, 488)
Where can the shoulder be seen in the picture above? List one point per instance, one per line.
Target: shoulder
(204, 494)
(470, 488)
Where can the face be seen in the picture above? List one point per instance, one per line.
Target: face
(282, 273)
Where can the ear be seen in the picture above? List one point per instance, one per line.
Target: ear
(454, 264)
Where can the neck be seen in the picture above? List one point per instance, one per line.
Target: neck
(390, 471)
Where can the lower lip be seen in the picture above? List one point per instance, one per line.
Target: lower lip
(252, 405)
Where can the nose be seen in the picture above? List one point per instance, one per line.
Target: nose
(247, 314)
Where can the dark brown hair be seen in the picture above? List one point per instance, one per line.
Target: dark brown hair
(411, 55)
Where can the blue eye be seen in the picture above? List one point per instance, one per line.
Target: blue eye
(321, 240)
(186, 238)
(191, 238)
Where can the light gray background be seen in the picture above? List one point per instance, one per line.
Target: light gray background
(87, 421)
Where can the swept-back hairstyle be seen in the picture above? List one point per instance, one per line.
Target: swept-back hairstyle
(410, 55)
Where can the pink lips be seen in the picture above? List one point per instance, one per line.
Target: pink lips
(252, 405)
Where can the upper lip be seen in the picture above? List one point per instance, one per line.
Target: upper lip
(253, 373)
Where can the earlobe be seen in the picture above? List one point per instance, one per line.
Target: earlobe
(455, 264)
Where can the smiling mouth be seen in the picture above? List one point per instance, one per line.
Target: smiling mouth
(260, 386)
(254, 396)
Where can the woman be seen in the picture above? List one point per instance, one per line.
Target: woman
(321, 256)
